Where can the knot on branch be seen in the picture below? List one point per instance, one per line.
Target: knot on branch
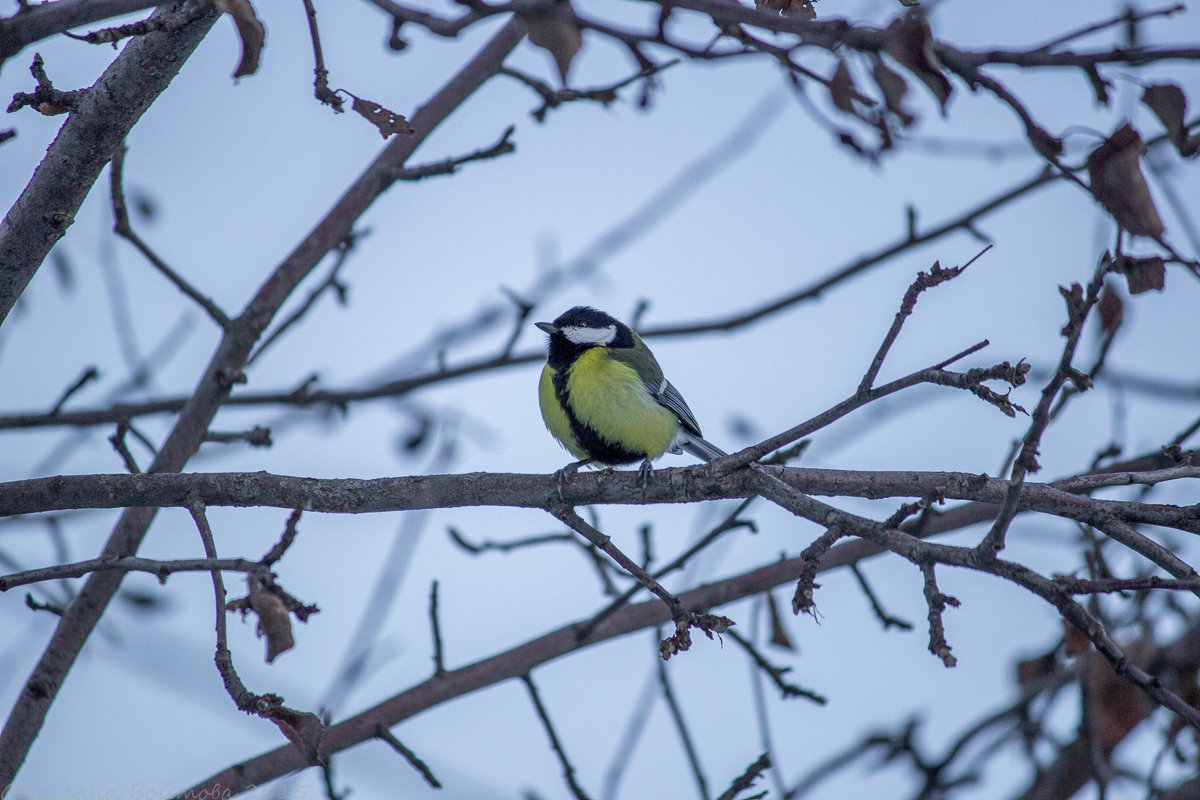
(45, 99)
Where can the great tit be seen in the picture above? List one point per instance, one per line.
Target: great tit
(605, 399)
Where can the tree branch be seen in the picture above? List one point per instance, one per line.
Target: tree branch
(98, 123)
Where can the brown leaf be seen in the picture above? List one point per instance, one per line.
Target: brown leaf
(1117, 182)
(1111, 308)
(1117, 704)
(1074, 640)
(302, 728)
(1169, 104)
(251, 31)
(1143, 274)
(894, 87)
(556, 32)
(841, 88)
(779, 634)
(388, 122)
(274, 619)
(910, 42)
(1032, 670)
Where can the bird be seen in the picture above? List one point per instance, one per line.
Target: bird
(604, 397)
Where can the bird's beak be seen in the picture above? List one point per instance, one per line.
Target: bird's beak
(548, 327)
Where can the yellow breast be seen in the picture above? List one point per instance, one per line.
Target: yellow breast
(608, 396)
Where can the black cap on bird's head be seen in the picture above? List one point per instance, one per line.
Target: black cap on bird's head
(583, 327)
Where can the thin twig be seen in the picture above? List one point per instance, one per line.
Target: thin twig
(1079, 305)
(331, 283)
(117, 440)
(125, 230)
(775, 673)
(937, 603)
(409, 756)
(257, 436)
(747, 778)
(87, 376)
(290, 530)
(160, 569)
(685, 737)
(439, 664)
(450, 166)
(320, 75)
(924, 280)
(543, 715)
(885, 618)
(576, 523)
(224, 659)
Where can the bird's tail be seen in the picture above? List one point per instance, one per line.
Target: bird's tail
(700, 448)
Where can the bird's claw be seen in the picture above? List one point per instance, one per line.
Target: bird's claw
(644, 472)
(567, 472)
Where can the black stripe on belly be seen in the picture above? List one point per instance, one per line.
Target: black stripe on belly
(588, 439)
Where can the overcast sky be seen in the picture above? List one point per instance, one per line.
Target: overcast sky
(727, 193)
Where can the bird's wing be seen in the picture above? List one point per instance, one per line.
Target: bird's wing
(668, 396)
(646, 366)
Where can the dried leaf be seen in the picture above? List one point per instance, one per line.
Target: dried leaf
(251, 31)
(894, 87)
(556, 32)
(1032, 670)
(779, 634)
(910, 42)
(388, 122)
(1074, 641)
(841, 88)
(1117, 704)
(274, 619)
(302, 728)
(1169, 104)
(1117, 182)
(1111, 308)
(1143, 274)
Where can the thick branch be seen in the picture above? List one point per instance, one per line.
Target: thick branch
(41, 21)
(98, 123)
(673, 485)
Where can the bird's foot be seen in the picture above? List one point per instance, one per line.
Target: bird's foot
(644, 472)
(568, 472)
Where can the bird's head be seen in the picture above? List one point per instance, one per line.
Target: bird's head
(583, 326)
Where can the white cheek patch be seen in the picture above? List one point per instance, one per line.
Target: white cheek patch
(596, 336)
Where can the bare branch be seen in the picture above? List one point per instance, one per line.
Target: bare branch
(409, 756)
(160, 569)
(747, 778)
(937, 603)
(555, 744)
(97, 125)
(685, 737)
(439, 664)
